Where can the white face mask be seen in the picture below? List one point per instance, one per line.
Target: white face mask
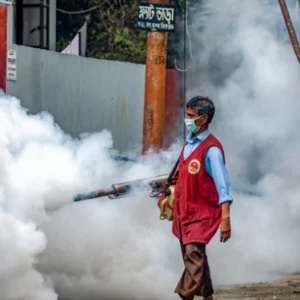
(191, 126)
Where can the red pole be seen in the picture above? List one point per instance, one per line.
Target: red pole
(3, 45)
(155, 89)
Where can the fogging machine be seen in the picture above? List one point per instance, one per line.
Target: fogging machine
(162, 187)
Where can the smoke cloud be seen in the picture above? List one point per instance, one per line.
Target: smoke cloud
(118, 249)
(112, 249)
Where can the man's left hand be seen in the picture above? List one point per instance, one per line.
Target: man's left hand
(225, 229)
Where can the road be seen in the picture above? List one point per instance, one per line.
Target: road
(287, 288)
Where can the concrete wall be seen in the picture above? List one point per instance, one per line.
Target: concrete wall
(83, 94)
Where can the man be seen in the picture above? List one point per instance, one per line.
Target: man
(202, 199)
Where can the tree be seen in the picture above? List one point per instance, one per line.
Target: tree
(111, 30)
(114, 36)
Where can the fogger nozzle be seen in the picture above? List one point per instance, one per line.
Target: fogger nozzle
(121, 189)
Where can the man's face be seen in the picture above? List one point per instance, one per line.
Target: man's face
(191, 113)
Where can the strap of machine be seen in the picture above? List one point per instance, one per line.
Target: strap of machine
(174, 169)
(173, 172)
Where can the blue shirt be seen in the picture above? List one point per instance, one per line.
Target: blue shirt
(214, 165)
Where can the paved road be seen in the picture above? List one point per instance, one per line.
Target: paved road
(284, 289)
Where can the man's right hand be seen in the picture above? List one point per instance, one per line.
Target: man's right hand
(225, 229)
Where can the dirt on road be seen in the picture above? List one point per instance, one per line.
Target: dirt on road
(287, 288)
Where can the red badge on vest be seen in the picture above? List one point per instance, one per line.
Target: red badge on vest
(194, 166)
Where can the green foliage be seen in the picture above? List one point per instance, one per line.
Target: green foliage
(111, 29)
(114, 35)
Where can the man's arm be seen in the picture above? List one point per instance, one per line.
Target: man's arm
(216, 169)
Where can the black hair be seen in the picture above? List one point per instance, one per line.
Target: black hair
(204, 106)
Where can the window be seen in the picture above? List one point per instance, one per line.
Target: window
(32, 23)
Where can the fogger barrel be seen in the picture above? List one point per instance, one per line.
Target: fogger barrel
(121, 189)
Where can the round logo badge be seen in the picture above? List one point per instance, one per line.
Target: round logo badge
(194, 166)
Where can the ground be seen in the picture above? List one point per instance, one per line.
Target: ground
(287, 288)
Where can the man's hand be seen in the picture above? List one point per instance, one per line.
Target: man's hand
(225, 229)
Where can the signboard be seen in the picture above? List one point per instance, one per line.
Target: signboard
(156, 17)
(9, 2)
(11, 70)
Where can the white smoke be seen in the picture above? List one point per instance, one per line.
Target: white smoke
(97, 248)
(118, 249)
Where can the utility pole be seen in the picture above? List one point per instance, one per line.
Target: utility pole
(3, 44)
(290, 28)
(155, 83)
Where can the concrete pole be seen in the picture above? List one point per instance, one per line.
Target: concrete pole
(3, 45)
(155, 86)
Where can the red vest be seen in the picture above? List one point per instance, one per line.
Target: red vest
(197, 213)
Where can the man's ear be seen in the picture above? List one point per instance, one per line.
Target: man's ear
(204, 120)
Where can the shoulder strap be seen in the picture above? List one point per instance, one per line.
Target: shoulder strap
(174, 168)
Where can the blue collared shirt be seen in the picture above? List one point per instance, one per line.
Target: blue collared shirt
(214, 165)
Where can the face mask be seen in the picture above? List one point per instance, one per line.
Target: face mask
(191, 126)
